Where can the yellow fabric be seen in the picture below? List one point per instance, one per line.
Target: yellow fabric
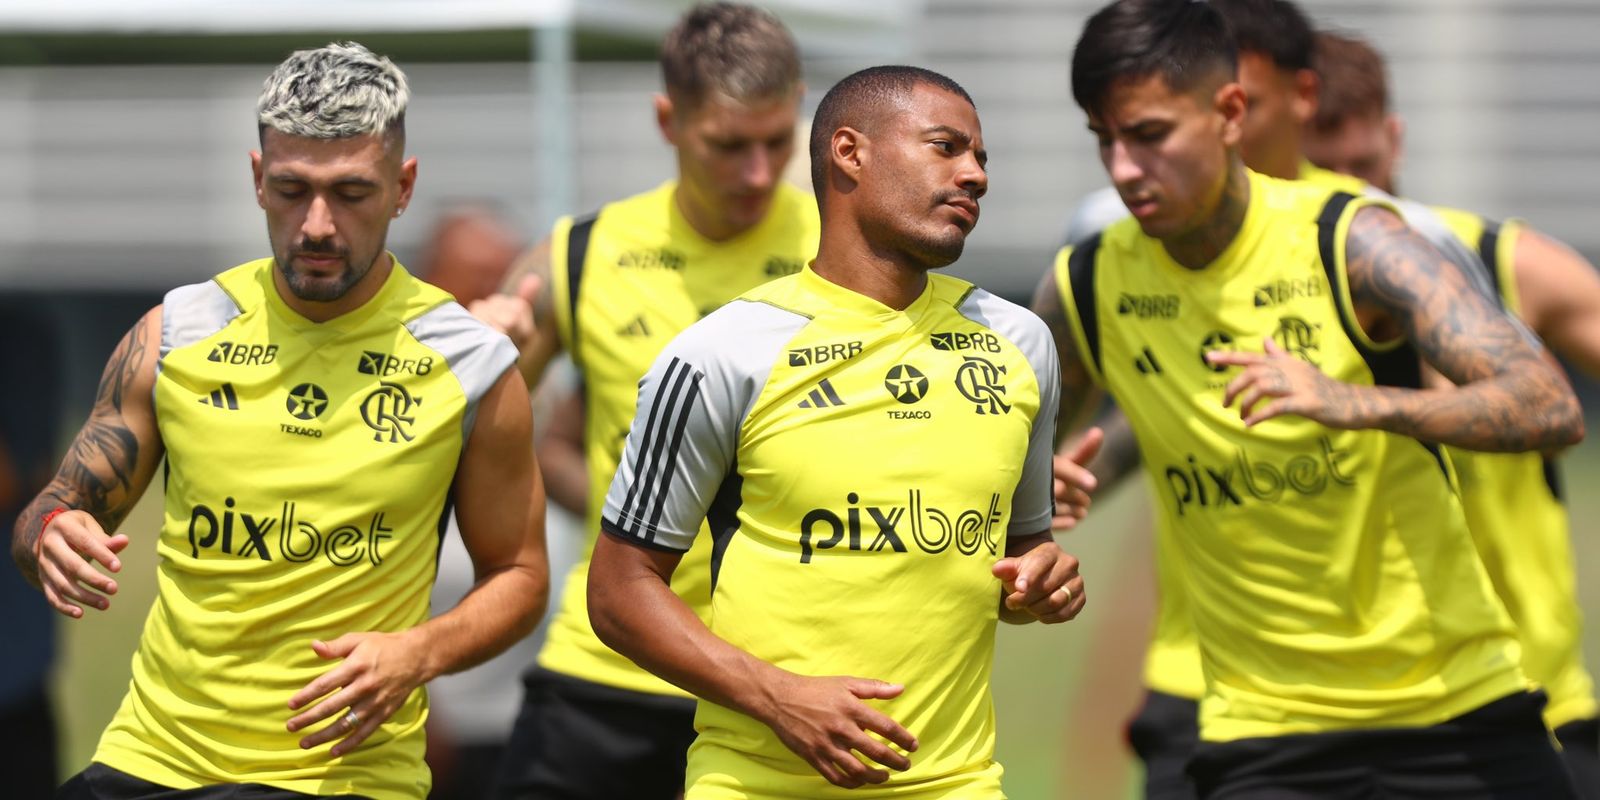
(1521, 529)
(1328, 179)
(648, 275)
(1172, 662)
(923, 618)
(1329, 573)
(348, 518)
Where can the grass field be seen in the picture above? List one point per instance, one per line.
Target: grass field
(1062, 692)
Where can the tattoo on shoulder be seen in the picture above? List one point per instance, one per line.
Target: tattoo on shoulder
(1395, 271)
(99, 471)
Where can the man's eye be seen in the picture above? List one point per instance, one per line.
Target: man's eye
(948, 147)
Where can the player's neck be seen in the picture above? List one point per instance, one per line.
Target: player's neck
(1199, 247)
(1287, 169)
(711, 226)
(364, 290)
(846, 258)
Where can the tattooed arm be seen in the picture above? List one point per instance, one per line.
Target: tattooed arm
(107, 468)
(1506, 396)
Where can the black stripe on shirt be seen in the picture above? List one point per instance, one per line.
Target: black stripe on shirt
(643, 451)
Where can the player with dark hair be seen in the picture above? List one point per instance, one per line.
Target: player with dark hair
(871, 444)
(610, 289)
(320, 411)
(1351, 642)
(1514, 502)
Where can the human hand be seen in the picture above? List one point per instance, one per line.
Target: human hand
(825, 722)
(512, 314)
(378, 672)
(1043, 583)
(1073, 480)
(68, 550)
(1295, 387)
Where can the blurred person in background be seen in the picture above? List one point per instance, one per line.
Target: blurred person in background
(859, 666)
(30, 420)
(1514, 502)
(467, 254)
(1319, 546)
(320, 411)
(610, 289)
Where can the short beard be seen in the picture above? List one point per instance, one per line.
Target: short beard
(319, 291)
(932, 252)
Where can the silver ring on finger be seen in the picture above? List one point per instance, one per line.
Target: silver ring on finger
(351, 718)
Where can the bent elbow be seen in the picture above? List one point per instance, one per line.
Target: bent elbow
(603, 618)
(1575, 428)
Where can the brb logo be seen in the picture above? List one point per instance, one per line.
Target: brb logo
(823, 353)
(252, 354)
(978, 380)
(958, 340)
(930, 529)
(388, 411)
(374, 363)
(298, 541)
(1197, 484)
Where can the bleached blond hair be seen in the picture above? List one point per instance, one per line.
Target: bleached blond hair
(334, 92)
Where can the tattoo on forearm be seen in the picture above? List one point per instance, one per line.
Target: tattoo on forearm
(98, 473)
(1508, 398)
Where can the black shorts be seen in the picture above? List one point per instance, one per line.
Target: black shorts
(1580, 749)
(1163, 734)
(1500, 751)
(100, 782)
(576, 740)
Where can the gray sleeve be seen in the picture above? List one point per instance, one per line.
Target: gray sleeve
(476, 354)
(191, 313)
(1429, 226)
(1097, 210)
(1033, 503)
(685, 435)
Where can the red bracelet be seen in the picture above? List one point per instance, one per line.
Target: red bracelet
(52, 514)
(45, 523)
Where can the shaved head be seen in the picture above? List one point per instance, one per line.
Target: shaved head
(861, 101)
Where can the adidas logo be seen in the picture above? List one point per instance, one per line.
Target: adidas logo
(822, 396)
(1146, 363)
(635, 328)
(222, 397)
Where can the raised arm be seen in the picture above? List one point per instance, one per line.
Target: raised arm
(107, 468)
(1559, 292)
(1507, 396)
(525, 311)
(499, 503)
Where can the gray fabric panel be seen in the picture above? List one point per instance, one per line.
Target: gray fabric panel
(685, 432)
(476, 354)
(1033, 504)
(191, 313)
(1425, 222)
(1094, 212)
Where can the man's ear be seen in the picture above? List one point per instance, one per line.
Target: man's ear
(847, 152)
(1230, 102)
(256, 174)
(666, 118)
(1395, 128)
(1306, 87)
